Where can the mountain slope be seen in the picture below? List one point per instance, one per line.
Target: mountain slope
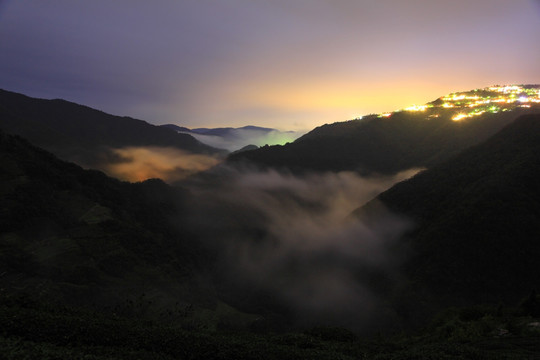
(82, 134)
(78, 237)
(415, 137)
(477, 223)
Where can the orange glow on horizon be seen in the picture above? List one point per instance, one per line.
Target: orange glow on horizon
(332, 98)
(306, 106)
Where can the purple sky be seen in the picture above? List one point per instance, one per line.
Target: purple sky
(289, 64)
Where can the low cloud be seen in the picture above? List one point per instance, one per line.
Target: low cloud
(293, 238)
(141, 163)
(238, 138)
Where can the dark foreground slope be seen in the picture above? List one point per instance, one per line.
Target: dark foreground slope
(477, 223)
(75, 236)
(82, 134)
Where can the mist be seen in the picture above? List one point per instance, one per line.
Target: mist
(142, 163)
(236, 139)
(290, 243)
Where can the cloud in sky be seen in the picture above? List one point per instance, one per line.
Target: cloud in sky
(285, 64)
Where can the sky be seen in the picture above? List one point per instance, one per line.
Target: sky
(285, 64)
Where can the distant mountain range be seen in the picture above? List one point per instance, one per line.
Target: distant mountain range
(223, 132)
(234, 139)
(419, 136)
(82, 134)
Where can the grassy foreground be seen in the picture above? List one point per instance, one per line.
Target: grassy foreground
(35, 331)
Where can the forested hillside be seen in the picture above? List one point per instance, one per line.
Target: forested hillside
(78, 237)
(476, 223)
(81, 134)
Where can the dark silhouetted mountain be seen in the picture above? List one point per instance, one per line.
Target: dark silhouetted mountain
(76, 236)
(247, 148)
(233, 139)
(177, 128)
(81, 134)
(226, 132)
(223, 132)
(414, 137)
(477, 223)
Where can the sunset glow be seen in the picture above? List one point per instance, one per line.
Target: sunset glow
(290, 65)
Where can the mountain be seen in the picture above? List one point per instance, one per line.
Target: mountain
(82, 134)
(223, 132)
(476, 224)
(77, 237)
(234, 139)
(91, 268)
(419, 136)
(247, 148)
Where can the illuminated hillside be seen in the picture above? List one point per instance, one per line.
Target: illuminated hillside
(494, 99)
(417, 136)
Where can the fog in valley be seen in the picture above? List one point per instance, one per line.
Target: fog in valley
(291, 243)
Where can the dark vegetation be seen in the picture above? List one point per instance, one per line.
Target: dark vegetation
(82, 134)
(78, 237)
(477, 224)
(31, 330)
(380, 145)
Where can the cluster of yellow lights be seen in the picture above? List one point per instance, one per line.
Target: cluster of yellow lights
(506, 89)
(499, 95)
(492, 99)
(459, 116)
(417, 108)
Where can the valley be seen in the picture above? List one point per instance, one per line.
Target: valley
(253, 180)
(431, 246)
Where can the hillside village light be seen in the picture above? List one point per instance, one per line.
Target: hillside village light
(494, 95)
(459, 116)
(417, 108)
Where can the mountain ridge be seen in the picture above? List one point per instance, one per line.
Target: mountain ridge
(419, 136)
(234, 139)
(82, 134)
(86, 239)
(221, 131)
